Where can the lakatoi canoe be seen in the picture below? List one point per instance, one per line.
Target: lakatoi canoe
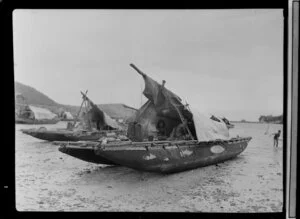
(84, 151)
(167, 136)
(94, 124)
(28, 121)
(68, 135)
(171, 156)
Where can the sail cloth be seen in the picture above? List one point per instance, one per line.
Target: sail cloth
(98, 116)
(159, 95)
(208, 129)
(164, 104)
(110, 122)
(41, 113)
(164, 100)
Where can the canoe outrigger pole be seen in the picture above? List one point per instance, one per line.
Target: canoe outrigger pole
(84, 95)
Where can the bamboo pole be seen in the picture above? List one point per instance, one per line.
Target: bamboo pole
(178, 111)
(138, 70)
(80, 107)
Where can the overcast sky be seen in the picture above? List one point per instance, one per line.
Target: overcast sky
(228, 62)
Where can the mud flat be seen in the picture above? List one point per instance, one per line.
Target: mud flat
(48, 180)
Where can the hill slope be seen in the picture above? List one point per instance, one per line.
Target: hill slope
(33, 96)
(36, 98)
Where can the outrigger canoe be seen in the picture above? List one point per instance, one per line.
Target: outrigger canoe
(194, 140)
(66, 135)
(83, 151)
(35, 121)
(106, 125)
(158, 156)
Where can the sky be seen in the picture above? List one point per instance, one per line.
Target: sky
(226, 62)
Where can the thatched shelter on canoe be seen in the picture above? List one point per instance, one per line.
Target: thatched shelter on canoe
(65, 115)
(25, 111)
(93, 117)
(118, 111)
(41, 113)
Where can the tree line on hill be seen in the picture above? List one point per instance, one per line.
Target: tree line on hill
(37, 98)
(271, 119)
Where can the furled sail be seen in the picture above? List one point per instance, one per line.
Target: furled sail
(164, 105)
(99, 117)
(164, 101)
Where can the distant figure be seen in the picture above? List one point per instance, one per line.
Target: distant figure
(276, 136)
(161, 128)
(70, 126)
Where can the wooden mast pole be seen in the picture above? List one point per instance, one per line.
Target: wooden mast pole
(80, 106)
(178, 111)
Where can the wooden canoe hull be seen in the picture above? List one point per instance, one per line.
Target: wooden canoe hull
(64, 135)
(67, 120)
(85, 153)
(33, 121)
(174, 157)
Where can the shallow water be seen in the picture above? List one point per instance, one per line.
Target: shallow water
(48, 180)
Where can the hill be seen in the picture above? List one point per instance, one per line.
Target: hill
(114, 110)
(37, 98)
(271, 119)
(33, 96)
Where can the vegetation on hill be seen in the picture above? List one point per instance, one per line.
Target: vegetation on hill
(36, 98)
(271, 119)
(33, 96)
(114, 110)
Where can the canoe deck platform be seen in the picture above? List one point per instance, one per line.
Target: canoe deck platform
(157, 156)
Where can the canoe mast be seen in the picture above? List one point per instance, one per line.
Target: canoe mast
(170, 99)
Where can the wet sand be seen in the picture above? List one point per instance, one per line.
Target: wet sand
(48, 180)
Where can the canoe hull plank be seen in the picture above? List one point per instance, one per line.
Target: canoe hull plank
(34, 122)
(172, 158)
(62, 135)
(85, 153)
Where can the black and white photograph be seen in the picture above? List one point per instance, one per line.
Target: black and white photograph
(149, 110)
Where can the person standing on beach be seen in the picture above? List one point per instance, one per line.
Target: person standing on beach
(276, 136)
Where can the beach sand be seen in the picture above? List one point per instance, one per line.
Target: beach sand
(48, 180)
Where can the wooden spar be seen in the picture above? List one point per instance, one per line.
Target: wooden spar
(80, 106)
(178, 111)
(86, 105)
(138, 70)
(86, 98)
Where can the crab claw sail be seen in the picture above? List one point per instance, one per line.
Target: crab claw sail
(164, 105)
(99, 116)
